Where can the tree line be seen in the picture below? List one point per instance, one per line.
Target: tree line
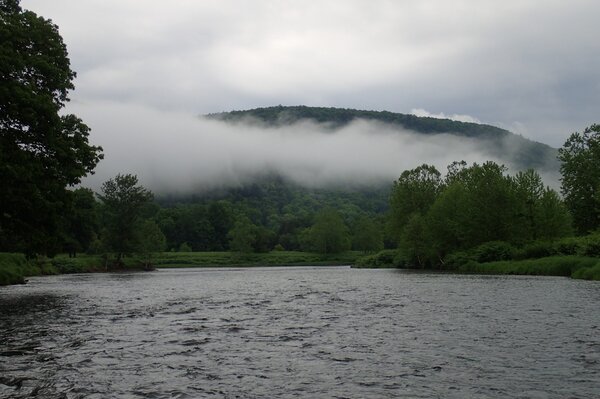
(123, 219)
(44, 154)
(434, 216)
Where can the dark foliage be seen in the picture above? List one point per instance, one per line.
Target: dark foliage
(41, 152)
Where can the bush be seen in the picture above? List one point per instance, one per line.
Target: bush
(550, 266)
(588, 273)
(66, 265)
(11, 276)
(536, 249)
(185, 247)
(568, 246)
(493, 251)
(385, 258)
(591, 245)
(15, 267)
(487, 252)
(457, 259)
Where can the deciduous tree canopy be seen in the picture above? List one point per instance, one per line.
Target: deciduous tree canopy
(123, 201)
(41, 152)
(580, 169)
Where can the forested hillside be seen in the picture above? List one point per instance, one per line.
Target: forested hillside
(279, 209)
(512, 149)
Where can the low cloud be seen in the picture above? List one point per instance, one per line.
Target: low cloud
(489, 59)
(441, 115)
(179, 153)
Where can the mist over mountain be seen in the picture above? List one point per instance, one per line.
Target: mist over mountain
(513, 150)
(178, 154)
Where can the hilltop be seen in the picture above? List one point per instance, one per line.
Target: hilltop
(515, 150)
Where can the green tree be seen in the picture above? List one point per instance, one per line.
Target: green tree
(580, 170)
(415, 247)
(490, 203)
(184, 247)
(41, 152)
(477, 205)
(541, 214)
(529, 189)
(264, 239)
(329, 234)
(367, 235)
(242, 236)
(447, 224)
(414, 192)
(149, 241)
(123, 201)
(555, 219)
(221, 219)
(81, 221)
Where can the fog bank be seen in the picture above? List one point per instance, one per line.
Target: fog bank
(178, 153)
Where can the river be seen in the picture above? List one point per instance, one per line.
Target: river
(311, 332)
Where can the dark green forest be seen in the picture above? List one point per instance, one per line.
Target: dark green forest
(458, 219)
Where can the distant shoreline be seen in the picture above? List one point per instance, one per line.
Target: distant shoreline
(15, 268)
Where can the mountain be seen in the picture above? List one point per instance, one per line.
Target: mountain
(514, 150)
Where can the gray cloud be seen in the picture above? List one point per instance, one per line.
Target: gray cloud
(531, 64)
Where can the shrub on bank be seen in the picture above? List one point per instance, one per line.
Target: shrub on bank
(583, 246)
(487, 252)
(591, 245)
(537, 249)
(384, 258)
(548, 266)
(15, 267)
(81, 264)
(588, 273)
(10, 275)
(273, 258)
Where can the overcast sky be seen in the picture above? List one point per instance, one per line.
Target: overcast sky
(531, 66)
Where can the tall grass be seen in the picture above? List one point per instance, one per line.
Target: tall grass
(588, 273)
(570, 266)
(387, 258)
(15, 267)
(274, 258)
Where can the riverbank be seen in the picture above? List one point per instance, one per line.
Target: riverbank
(574, 266)
(273, 258)
(14, 268)
(578, 267)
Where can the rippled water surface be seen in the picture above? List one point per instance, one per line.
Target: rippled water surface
(299, 332)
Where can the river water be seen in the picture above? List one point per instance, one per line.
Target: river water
(330, 332)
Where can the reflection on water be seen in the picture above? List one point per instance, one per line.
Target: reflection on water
(299, 332)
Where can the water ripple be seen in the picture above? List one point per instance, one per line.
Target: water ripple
(299, 332)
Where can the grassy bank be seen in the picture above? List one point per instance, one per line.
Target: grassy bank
(385, 259)
(274, 258)
(14, 268)
(575, 266)
(569, 266)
